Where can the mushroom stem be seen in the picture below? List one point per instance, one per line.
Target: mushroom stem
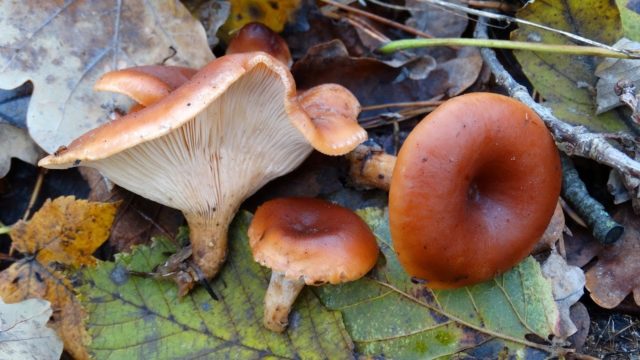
(208, 236)
(279, 299)
(371, 167)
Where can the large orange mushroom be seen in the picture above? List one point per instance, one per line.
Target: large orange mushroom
(473, 189)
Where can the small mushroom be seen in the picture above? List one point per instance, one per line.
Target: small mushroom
(206, 146)
(255, 36)
(307, 241)
(145, 84)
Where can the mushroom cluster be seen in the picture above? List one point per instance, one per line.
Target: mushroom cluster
(203, 141)
(307, 241)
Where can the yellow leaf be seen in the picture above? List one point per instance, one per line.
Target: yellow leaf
(273, 14)
(64, 233)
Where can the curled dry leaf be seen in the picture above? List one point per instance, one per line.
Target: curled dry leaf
(436, 20)
(63, 47)
(61, 235)
(15, 143)
(610, 71)
(615, 274)
(24, 333)
(568, 286)
(553, 233)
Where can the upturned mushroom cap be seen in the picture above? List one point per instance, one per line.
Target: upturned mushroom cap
(207, 145)
(312, 239)
(255, 36)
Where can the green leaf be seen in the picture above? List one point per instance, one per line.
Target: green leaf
(139, 318)
(630, 17)
(567, 83)
(389, 315)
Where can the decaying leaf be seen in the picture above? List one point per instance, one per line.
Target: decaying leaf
(212, 14)
(140, 318)
(615, 274)
(568, 286)
(62, 234)
(390, 316)
(63, 47)
(273, 14)
(567, 83)
(553, 232)
(24, 333)
(630, 17)
(610, 71)
(15, 143)
(435, 20)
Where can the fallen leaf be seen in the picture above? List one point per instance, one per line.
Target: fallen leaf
(62, 234)
(16, 143)
(567, 83)
(610, 71)
(580, 246)
(387, 315)
(212, 15)
(568, 286)
(615, 274)
(462, 71)
(582, 320)
(63, 47)
(436, 20)
(553, 232)
(24, 333)
(137, 219)
(370, 80)
(131, 317)
(630, 17)
(273, 14)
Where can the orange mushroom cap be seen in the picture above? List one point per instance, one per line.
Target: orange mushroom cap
(255, 36)
(312, 239)
(145, 84)
(473, 189)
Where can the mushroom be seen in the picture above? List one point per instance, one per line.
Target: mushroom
(145, 84)
(473, 189)
(212, 142)
(255, 36)
(307, 241)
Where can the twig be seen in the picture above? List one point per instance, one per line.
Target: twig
(35, 193)
(4, 229)
(509, 19)
(505, 44)
(626, 91)
(603, 227)
(573, 140)
(496, 5)
(379, 19)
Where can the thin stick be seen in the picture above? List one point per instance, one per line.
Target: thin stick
(4, 229)
(403, 104)
(506, 44)
(379, 19)
(500, 17)
(36, 192)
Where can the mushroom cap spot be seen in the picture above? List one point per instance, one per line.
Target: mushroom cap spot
(312, 239)
(255, 36)
(474, 187)
(334, 113)
(145, 84)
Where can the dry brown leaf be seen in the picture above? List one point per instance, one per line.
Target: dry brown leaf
(615, 274)
(553, 232)
(63, 47)
(62, 234)
(436, 20)
(610, 71)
